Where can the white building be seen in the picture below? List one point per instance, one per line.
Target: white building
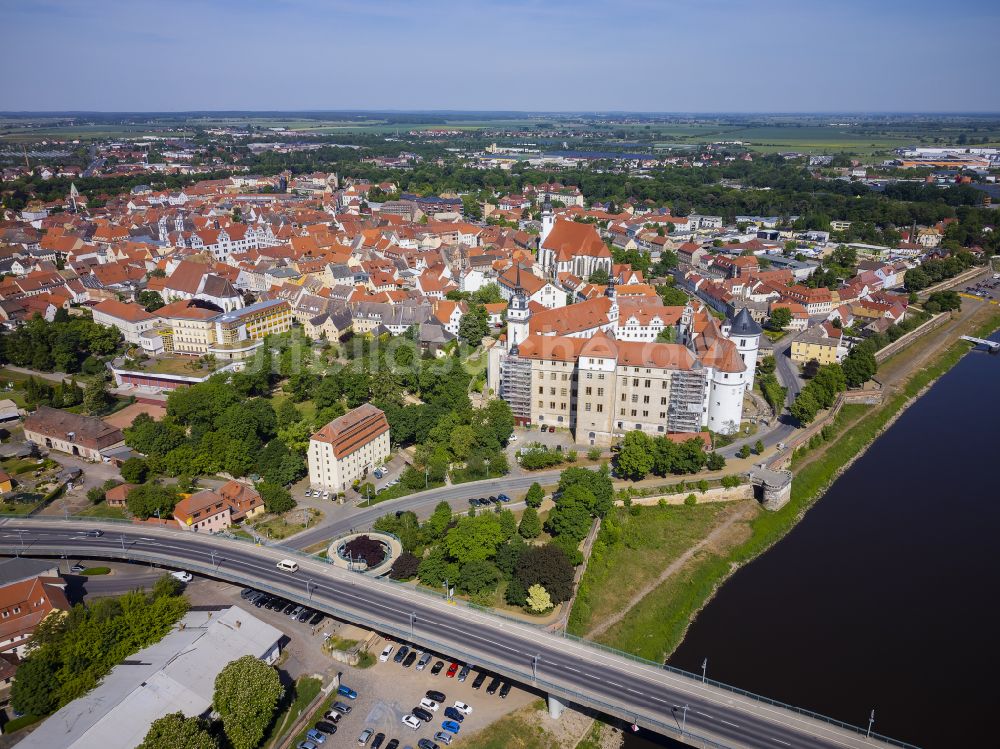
(347, 448)
(131, 319)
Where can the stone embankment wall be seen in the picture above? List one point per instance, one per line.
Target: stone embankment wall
(714, 494)
(900, 343)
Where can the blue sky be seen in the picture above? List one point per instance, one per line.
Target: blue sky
(639, 55)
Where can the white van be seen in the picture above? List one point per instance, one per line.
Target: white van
(288, 565)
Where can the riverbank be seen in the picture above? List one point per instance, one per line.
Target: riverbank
(656, 625)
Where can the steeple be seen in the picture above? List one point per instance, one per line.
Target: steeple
(548, 221)
(518, 314)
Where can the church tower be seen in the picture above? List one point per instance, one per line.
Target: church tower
(73, 195)
(518, 316)
(611, 294)
(548, 221)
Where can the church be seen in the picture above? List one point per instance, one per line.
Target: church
(600, 370)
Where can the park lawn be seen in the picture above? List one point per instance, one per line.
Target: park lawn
(277, 528)
(519, 730)
(648, 543)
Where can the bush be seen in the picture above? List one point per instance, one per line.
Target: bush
(134, 470)
(276, 498)
(96, 495)
(405, 567)
(594, 453)
(366, 549)
(690, 500)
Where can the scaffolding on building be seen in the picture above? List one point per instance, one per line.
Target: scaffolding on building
(687, 398)
(515, 386)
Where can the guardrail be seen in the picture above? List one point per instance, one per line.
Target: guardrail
(404, 634)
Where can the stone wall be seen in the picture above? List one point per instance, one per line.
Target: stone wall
(714, 494)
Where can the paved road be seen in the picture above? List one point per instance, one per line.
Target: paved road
(342, 519)
(652, 697)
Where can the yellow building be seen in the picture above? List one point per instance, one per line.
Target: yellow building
(817, 343)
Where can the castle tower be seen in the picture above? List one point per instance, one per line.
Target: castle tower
(518, 316)
(73, 195)
(744, 331)
(611, 294)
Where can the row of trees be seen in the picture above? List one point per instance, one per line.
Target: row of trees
(639, 455)
(937, 270)
(70, 654)
(820, 392)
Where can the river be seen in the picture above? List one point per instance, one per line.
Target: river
(884, 596)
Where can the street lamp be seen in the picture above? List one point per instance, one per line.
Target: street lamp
(310, 587)
(704, 668)
(685, 720)
(487, 461)
(534, 667)
(427, 471)
(871, 720)
(412, 618)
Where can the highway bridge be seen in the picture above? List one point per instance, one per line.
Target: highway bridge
(665, 701)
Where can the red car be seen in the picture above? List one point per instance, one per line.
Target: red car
(452, 670)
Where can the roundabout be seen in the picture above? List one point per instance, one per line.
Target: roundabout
(372, 553)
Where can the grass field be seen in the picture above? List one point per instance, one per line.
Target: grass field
(646, 544)
(514, 731)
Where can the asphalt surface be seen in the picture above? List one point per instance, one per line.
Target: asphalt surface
(653, 698)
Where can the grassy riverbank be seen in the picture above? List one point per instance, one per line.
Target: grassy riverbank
(656, 625)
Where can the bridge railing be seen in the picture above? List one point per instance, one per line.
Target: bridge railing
(431, 593)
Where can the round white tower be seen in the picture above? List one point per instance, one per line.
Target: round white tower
(548, 221)
(745, 333)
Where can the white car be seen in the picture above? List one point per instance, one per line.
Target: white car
(429, 704)
(463, 708)
(386, 652)
(412, 721)
(184, 577)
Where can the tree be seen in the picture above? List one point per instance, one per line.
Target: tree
(859, 366)
(743, 452)
(475, 325)
(534, 496)
(96, 396)
(599, 277)
(32, 692)
(635, 456)
(571, 516)
(247, 691)
(781, 318)
(548, 566)
(405, 567)
(151, 499)
(531, 526)
(366, 549)
(715, 462)
(435, 568)
(508, 524)
(150, 300)
(277, 498)
(477, 577)
(758, 447)
(475, 538)
(538, 599)
(598, 483)
(134, 470)
(174, 731)
(437, 524)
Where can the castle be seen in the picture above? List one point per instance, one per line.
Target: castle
(601, 368)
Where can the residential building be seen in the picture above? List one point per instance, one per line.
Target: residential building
(347, 448)
(24, 603)
(214, 510)
(820, 342)
(131, 319)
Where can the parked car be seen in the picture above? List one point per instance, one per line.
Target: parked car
(318, 736)
(463, 708)
(409, 659)
(77, 568)
(378, 740)
(346, 691)
(429, 705)
(326, 727)
(342, 707)
(365, 736)
(453, 714)
(295, 612)
(438, 668)
(316, 619)
(505, 690)
(424, 715)
(184, 577)
(393, 743)
(452, 670)
(478, 681)
(244, 594)
(493, 686)
(503, 497)
(464, 672)
(451, 726)
(433, 694)
(305, 616)
(422, 662)
(333, 716)
(401, 654)
(427, 744)
(412, 721)
(385, 654)
(443, 737)
(289, 608)
(306, 745)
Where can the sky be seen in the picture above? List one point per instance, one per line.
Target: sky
(552, 55)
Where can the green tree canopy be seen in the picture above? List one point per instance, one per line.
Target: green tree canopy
(247, 691)
(174, 731)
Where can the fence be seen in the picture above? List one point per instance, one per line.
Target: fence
(571, 692)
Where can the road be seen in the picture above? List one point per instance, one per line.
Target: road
(659, 700)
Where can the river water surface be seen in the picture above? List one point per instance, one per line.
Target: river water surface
(885, 596)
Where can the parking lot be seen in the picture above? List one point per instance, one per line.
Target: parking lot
(988, 288)
(388, 691)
